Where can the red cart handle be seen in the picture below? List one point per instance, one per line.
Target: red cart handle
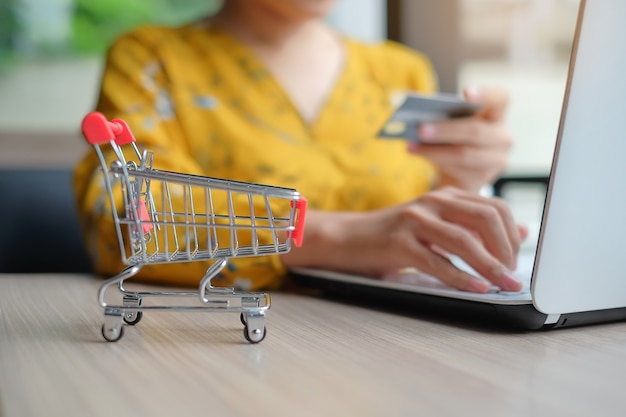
(97, 130)
(298, 233)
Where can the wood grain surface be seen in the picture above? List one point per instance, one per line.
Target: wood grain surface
(320, 358)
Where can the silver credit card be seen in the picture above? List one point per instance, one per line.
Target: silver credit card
(417, 109)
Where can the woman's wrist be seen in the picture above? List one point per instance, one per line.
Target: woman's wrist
(325, 241)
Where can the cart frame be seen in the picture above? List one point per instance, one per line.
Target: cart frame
(157, 231)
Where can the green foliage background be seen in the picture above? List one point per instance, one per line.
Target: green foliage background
(96, 23)
(7, 28)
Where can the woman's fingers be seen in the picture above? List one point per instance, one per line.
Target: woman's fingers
(479, 230)
(472, 131)
(514, 232)
(457, 240)
(437, 265)
(483, 128)
(490, 219)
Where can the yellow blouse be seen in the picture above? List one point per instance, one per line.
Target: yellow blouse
(205, 105)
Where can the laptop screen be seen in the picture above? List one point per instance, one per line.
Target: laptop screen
(580, 262)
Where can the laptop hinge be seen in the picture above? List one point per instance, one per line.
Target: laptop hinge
(552, 318)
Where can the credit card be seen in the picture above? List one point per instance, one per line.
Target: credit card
(417, 109)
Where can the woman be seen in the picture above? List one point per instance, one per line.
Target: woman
(266, 92)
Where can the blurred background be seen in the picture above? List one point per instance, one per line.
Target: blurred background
(51, 57)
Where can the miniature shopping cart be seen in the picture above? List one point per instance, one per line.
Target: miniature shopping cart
(164, 217)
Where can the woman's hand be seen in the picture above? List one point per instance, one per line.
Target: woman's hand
(472, 151)
(418, 234)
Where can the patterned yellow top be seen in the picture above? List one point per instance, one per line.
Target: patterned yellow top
(205, 105)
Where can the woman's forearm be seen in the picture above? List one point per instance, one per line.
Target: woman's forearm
(326, 242)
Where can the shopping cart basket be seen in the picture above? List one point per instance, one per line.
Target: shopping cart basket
(167, 217)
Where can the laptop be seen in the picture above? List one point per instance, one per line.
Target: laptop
(577, 271)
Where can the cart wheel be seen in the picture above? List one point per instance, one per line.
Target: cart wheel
(112, 334)
(242, 318)
(133, 317)
(254, 336)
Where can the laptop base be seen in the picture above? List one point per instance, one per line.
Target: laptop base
(448, 310)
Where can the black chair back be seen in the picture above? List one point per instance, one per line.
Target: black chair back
(39, 226)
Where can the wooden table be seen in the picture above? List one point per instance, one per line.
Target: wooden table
(320, 358)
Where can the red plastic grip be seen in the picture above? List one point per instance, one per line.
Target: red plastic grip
(298, 234)
(125, 136)
(97, 130)
(144, 217)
